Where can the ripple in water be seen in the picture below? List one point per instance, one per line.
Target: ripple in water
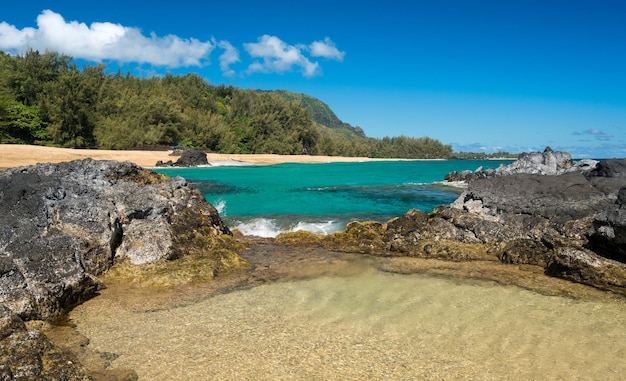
(370, 325)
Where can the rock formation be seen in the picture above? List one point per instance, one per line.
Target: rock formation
(541, 210)
(64, 224)
(547, 162)
(188, 158)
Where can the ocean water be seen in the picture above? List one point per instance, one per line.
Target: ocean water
(322, 198)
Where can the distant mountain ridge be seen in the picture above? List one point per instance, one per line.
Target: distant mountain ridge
(322, 114)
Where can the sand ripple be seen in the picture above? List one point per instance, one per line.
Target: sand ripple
(364, 326)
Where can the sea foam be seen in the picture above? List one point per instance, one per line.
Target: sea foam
(228, 163)
(270, 228)
(220, 206)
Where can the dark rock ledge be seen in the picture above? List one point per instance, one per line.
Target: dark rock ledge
(63, 225)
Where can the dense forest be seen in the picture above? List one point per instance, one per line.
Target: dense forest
(47, 99)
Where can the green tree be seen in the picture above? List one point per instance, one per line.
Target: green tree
(33, 72)
(71, 104)
(20, 124)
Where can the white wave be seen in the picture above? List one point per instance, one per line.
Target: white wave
(269, 228)
(228, 163)
(318, 227)
(220, 205)
(259, 227)
(455, 184)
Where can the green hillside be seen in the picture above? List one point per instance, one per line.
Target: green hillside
(322, 114)
(47, 99)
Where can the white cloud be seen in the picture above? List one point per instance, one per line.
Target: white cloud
(279, 57)
(229, 57)
(104, 41)
(12, 38)
(326, 49)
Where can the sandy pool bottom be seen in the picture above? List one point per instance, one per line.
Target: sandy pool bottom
(371, 325)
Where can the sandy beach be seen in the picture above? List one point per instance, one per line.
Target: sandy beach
(16, 155)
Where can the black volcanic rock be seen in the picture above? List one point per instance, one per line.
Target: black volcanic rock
(188, 158)
(64, 224)
(610, 168)
(571, 223)
(558, 198)
(192, 158)
(608, 235)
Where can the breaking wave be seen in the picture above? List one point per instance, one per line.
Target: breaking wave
(220, 205)
(271, 228)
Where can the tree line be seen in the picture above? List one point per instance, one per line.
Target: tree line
(47, 99)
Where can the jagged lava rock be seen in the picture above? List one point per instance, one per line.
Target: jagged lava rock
(547, 162)
(541, 210)
(572, 224)
(63, 224)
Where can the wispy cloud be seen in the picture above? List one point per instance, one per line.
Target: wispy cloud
(480, 147)
(598, 135)
(596, 151)
(229, 57)
(105, 41)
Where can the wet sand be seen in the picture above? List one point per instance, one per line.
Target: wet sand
(16, 155)
(305, 313)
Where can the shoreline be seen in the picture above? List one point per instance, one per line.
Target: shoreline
(18, 155)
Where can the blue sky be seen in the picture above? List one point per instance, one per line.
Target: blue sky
(479, 75)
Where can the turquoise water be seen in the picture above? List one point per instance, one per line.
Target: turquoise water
(322, 198)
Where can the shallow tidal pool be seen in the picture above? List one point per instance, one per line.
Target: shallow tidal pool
(367, 325)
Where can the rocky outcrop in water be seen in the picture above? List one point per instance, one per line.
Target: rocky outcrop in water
(65, 224)
(188, 158)
(547, 162)
(573, 224)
